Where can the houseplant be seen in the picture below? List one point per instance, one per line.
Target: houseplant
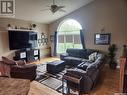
(112, 53)
(32, 26)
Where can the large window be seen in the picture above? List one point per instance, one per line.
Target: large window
(68, 36)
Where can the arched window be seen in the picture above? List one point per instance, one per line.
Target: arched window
(68, 35)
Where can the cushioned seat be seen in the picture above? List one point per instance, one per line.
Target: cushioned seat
(83, 65)
(90, 72)
(74, 57)
(24, 72)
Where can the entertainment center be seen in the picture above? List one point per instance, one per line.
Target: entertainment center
(27, 55)
(24, 42)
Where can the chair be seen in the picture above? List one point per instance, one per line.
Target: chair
(4, 70)
(27, 71)
(20, 69)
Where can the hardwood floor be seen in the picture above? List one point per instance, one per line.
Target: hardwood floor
(39, 89)
(108, 84)
(44, 60)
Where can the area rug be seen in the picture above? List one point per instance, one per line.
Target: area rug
(52, 83)
(50, 80)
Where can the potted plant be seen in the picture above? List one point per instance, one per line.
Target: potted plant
(32, 26)
(112, 63)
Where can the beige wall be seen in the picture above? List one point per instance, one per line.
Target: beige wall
(108, 14)
(4, 44)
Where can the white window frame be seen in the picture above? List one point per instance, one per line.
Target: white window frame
(66, 34)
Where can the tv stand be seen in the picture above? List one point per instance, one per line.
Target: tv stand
(29, 55)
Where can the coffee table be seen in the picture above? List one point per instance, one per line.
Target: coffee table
(55, 67)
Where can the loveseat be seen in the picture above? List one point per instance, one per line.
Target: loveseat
(74, 57)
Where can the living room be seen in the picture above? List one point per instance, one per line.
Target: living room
(57, 37)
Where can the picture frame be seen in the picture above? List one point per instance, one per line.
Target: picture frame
(102, 39)
(51, 38)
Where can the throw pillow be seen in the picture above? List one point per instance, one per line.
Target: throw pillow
(8, 61)
(93, 56)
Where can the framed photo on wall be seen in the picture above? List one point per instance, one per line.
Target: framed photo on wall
(51, 38)
(102, 38)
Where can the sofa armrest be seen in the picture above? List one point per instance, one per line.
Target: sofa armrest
(77, 71)
(25, 68)
(91, 70)
(86, 83)
(62, 56)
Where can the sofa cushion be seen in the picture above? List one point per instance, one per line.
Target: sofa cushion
(95, 65)
(83, 65)
(73, 58)
(72, 61)
(76, 71)
(93, 56)
(80, 53)
(12, 62)
(24, 68)
(8, 61)
(62, 56)
(90, 51)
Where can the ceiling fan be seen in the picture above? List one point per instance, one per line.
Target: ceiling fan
(54, 8)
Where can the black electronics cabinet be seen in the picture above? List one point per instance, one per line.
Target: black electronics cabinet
(27, 55)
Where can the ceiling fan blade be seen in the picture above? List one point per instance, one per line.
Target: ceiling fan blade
(48, 6)
(61, 10)
(61, 7)
(54, 8)
(53, 11)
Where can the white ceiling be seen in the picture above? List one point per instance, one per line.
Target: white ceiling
(30, 9)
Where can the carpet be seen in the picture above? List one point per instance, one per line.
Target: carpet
(50, 80)
(52, 83)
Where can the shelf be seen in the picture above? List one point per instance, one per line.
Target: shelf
(28, 55)
(20, 30)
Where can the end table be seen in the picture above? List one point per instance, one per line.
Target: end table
(73, 79)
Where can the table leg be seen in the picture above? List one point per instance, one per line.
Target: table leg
(63, 86)
(68, 90)
(80, 93)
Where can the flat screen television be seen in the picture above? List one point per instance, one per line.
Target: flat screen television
(22, 39)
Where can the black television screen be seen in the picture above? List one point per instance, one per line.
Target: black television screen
(22, 39)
